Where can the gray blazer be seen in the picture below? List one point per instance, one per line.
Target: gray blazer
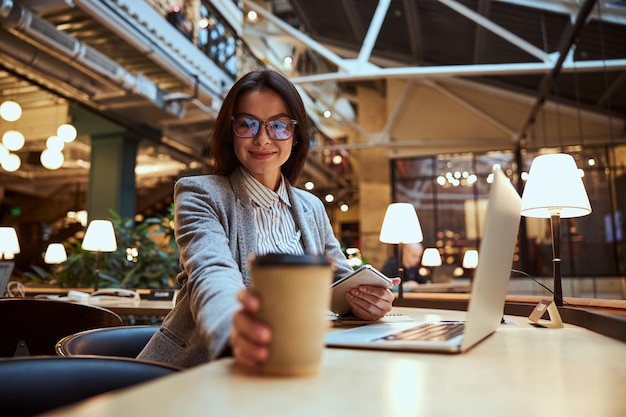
(215, 233)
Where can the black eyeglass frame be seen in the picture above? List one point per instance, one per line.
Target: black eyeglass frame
(265, 123)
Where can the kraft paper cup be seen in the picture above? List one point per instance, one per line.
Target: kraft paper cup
(295, 297)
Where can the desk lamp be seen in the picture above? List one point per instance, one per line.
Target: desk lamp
(470, 259)
(555, 190)
(9, 245)
(55, 254)
(400, 226)
(100, 237)
(431, 257)
(430, 260)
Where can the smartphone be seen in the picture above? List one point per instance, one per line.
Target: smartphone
(365, 275)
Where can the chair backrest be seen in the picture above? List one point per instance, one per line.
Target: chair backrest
(31, 326)
(33, 385)
(122, 341)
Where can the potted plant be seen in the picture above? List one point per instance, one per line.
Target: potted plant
(146, 257)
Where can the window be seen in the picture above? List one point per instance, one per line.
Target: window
(450, 191)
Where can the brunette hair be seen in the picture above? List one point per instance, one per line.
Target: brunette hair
(221, 139)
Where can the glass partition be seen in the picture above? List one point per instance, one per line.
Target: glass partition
(449, 192)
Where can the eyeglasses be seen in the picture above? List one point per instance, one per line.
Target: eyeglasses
(280, 128)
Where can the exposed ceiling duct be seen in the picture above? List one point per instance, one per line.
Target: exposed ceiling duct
(39, 32)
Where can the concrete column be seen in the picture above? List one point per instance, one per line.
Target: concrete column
(112, 175)
(374, 179)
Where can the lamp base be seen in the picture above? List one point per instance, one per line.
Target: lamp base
(554, 318)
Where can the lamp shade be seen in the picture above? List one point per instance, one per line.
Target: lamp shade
(9, 245)
(55, 254)
(470, 259)
(100, 236)
(401, 225)
(554, 186)
(431, 257)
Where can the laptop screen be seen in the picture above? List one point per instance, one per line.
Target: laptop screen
(6, 268)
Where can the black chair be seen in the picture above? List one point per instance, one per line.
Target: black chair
(123, 341)
(33, 385)
(32, 326)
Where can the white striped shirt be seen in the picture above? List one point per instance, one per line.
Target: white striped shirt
(276, 228)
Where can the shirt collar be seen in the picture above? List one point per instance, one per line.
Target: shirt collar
(263, 196)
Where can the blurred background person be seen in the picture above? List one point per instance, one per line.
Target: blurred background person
(411, 262)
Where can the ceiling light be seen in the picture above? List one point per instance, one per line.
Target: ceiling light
(11, 163)
(309, 185)
(10, 111)
(203, 23)
(13, 140)
(67, 132)
(55, 143)
(51, 159)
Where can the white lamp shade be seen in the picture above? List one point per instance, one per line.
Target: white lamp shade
(9, 245)
(100, 236)
(401, 225)
(470, 259)
(55, 254)
(431, 257)
(554, 186)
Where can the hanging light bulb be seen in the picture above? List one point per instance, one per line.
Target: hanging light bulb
(10, 111)
(4, 152)
(55, 143)
(67, 132)
(13, 140)
(51, 159)
(11, 163)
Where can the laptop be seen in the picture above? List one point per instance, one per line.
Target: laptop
(487, 297)
(442, 274)
(5, 274)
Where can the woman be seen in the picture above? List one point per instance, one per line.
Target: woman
(260, 144)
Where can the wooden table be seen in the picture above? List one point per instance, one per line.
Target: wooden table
(143, 308)
(520, 370)
(441, 287)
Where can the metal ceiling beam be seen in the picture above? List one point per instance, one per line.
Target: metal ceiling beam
(140, 25)
(447, 71)
(40, 33)
(296, 34)
(372, 32)
(498, 30)
(611, 11)
(568, 39)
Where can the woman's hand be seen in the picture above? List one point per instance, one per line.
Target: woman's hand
(249, 337)
(371, 303)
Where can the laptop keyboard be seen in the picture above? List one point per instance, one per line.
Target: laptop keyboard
(429, 331)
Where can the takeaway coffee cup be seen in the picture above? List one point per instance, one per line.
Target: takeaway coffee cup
(295, 297)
